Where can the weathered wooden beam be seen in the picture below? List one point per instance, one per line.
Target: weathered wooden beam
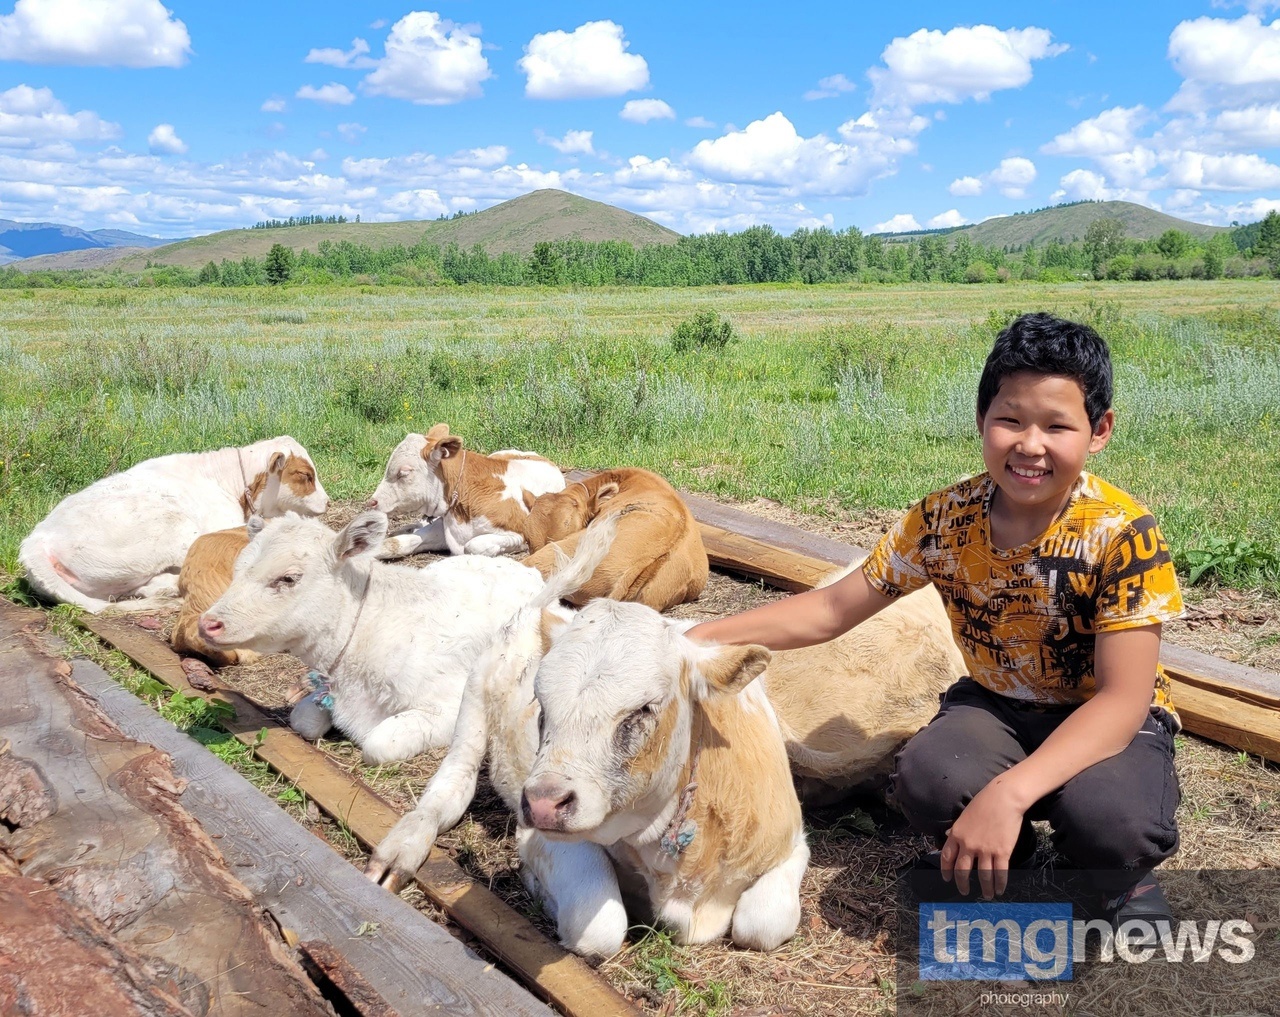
(545, 967)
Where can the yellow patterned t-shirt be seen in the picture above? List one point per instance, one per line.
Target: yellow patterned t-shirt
(1025, 618)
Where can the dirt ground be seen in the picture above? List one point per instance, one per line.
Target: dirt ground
(843, 959)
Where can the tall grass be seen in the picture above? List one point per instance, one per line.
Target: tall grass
(849, 396)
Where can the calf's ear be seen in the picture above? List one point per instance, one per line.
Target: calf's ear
(606, 491)
(731, 669)
(363, 535)
(551, 624)
(277, 463)
(449, 445)
(529, 499)
(437, 432)
(254, 525)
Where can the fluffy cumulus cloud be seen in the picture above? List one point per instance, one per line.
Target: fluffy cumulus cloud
(964, 63)
(164, 140)
(94, 33)
(356, 56)
(1111, 131)
(33, 117)
(332, 94)
(903, 222)
(701, 122)
(1231, 172)
(1225, 62)
(641, 111)
(273, 105)
(1086, 185)
(770, 151)
(948, 220)
(1011, 178)
(589, 62)
(1254, 126)
(430, 62)
(573, 142)
(830, 87)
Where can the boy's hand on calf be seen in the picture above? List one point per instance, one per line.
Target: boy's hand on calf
(983, 838)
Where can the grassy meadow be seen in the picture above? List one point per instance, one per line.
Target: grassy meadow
(830, 397)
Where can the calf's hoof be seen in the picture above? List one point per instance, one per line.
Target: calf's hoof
(310, 719)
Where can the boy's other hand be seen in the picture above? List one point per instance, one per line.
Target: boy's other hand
(983, 838)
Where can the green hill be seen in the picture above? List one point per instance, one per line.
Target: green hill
(514, 225)
(1069, 222)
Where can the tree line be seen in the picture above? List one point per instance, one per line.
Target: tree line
(756, 255)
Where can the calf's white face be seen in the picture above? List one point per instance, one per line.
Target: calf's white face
(405, 483)
(289, 579)
(300, 489)
(616, 689)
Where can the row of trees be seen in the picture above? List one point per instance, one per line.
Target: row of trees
(300, 220)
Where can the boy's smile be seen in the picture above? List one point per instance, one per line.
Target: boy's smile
(1036, 438)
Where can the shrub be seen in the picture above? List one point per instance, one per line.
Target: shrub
(1121, 267)
(704, 330)
(978, 272)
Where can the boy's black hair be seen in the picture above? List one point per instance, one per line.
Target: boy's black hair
(1042, 344)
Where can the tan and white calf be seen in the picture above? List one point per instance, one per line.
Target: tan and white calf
(395, 643)
(128, 534)
(205, 576)
(499, 718)
(475, 502)
(657, 559)
(668, 755)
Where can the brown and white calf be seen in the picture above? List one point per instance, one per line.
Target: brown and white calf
(668, 754)
(128, 534)
(657, 558)
(475, 502)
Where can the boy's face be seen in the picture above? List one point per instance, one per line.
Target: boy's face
(1036, 438)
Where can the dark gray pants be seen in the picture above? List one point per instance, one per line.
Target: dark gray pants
(1116, 816)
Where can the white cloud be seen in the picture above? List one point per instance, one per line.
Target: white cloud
(830, 87)
(1086, 185)
(94, 33)
(1130, 169)
(769, 151)
(1110, 131)
(948, 220)
(273, 105)
(420, 204)
(351, 133)
(1013, 176)
(164, 140)
(490, 155)
(1253, 126)
(430, 62)
(641, 111)
(1225, 62)
(31, 117)
(701, 122)
(318, 155)
(966, 187)
(1233, 172)
(903, 222)
(356, 56)
(333, 93)
(642, 171)
(964, 63)
(589, 62)
(573, 142)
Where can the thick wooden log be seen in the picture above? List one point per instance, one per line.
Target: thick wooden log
(97, 817)
(545, 967)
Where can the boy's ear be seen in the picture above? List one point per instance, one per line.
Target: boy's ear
(1102, 433)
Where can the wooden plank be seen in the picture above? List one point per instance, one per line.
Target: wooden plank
(1248, 684)
(787, 570)
(411, 963)
(550, 971)
(1242, 725)
(98, 813)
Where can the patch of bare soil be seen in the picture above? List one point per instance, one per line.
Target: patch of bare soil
(842, 961)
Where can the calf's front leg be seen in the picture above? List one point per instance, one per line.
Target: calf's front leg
(577, 882)
(429, 537)
(404, 736)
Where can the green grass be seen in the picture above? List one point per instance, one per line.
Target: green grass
(855, 396)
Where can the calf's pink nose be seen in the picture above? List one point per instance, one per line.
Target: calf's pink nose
(547, 807)
(210, 627)
(372, 503)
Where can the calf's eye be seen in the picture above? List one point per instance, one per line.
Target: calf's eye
(285, 582)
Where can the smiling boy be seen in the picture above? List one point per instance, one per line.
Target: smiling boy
(1056, 584)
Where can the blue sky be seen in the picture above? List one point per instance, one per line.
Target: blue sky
(192, 117)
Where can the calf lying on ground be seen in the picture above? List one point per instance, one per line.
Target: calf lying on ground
(475, 502)
(642, 747)
(848, 705)
(396, 644)
(499, 717)
(657, 559)
(127, 534)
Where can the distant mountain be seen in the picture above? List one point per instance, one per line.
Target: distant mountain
(514, 225)
(29, 239)
(1070, 222)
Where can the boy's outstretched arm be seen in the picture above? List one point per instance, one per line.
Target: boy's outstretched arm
(984, 835)
(802, 620)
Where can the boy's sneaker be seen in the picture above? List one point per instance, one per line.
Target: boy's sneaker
(1143, 902)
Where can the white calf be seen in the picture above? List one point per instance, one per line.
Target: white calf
(396, 643)
(127, 534)
(499, 716)
(476, 503)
